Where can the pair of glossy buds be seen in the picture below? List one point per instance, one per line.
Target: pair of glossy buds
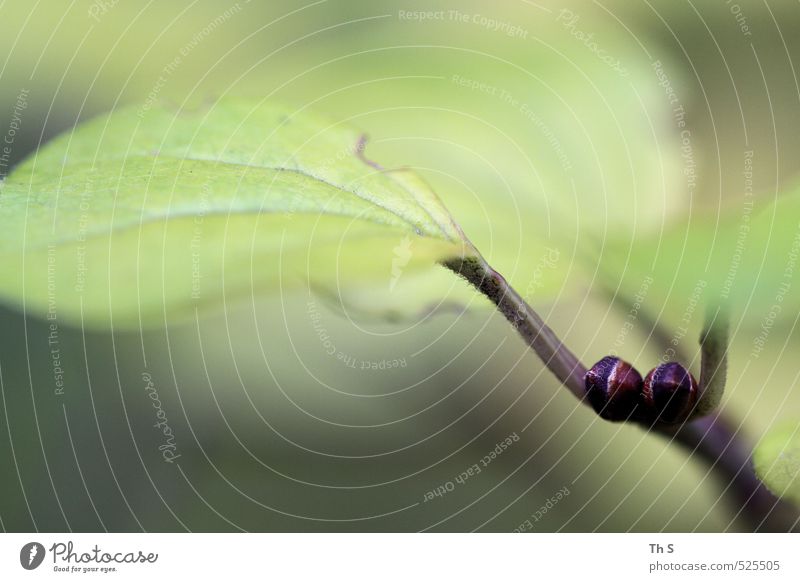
(617, 392)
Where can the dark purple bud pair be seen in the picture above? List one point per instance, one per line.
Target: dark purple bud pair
(617, 392)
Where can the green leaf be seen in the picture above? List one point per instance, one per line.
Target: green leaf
(145, 215)
(714, 362)
(528, 148)
(777, 461)
(744, 256)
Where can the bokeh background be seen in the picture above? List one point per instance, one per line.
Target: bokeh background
(557, 117)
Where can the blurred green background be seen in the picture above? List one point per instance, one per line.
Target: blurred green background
(508, 106)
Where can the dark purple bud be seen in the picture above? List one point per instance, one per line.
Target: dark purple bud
(669, 393)
(613, 388)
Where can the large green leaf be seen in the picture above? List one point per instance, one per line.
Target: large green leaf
(777, 461)
(141, 216)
